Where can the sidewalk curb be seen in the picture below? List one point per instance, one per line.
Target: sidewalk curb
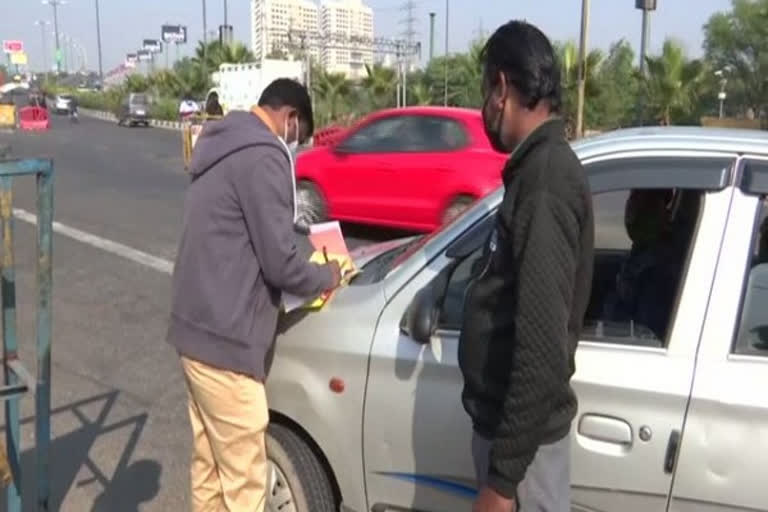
(108, 116)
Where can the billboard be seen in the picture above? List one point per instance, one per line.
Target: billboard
(130, 60)
(13, 46)
(173, 34)
(152, 45)
(19, 58)
(144, 55)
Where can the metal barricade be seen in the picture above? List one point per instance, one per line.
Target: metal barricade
(17, 379)
(190, 131)
(7, 116)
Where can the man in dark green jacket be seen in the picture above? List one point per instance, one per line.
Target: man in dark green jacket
(524, 312)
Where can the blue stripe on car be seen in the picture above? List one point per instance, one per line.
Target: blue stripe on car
(437, 483)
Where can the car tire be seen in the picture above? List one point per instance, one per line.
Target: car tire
(297, 481)
(456, 207)
(310, 203)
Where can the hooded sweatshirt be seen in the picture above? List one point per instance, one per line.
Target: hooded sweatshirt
(238, 248)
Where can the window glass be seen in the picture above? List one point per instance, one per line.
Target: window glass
(408, 134)
(642, 242)
(752, 335)
(381, 135)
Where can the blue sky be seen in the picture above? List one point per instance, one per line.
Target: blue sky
(126, 22)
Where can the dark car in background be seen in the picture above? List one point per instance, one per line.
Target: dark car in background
(134, 110)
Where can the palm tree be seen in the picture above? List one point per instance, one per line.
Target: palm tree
(213, 54)
(331, 90)
(672, 82)
(568, 54)
(420, 94)
(380, 86)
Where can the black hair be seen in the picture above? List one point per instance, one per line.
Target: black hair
(526, 58)
(285, 92)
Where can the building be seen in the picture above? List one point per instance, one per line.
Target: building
(338, 34)
(346, 27)
(274, 23)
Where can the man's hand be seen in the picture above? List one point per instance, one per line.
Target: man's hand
(489, 500)
(333, 265)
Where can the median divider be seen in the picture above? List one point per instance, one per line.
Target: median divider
(108, 116)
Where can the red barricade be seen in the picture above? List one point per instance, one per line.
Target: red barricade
(34, 119)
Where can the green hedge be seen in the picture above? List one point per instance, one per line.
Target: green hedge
(165, 109)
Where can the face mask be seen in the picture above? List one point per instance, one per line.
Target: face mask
(293, 146)
(493, 129)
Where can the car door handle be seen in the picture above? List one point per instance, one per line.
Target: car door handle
(672, 446)
(606, 429)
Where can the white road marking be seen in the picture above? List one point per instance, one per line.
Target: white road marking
(116, 248)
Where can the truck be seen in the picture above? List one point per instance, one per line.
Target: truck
(239, 86)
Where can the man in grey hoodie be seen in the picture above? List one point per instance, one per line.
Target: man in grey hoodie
(237, 254)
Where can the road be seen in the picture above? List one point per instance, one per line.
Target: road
(121, 437)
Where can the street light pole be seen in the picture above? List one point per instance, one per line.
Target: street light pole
(445, 71)
(98, 41)
(226, 24)
(55, 4)
(205, 28)
(582, 68)
(42, 24)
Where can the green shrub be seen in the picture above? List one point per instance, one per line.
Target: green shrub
(165, 109)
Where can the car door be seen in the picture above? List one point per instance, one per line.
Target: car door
(358, 181)
(633, 389)
(425, 167)
(723, 459)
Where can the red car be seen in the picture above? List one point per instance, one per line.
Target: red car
(412, 168)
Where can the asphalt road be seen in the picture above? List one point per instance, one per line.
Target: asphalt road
(120, 430)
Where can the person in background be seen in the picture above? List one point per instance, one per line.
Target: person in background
(212, 105)
(524, 312)
(188, 107)
(238, 253)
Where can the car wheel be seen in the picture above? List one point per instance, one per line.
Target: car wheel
(457, 207)
(296, 480)
(310, 203)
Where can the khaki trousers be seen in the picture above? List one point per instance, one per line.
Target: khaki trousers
(229, 417)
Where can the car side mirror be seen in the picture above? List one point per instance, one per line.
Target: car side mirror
(420, 319)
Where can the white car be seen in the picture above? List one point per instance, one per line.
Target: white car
(62, 104)
(364, 396)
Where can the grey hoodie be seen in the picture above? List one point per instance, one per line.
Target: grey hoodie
(238, 248)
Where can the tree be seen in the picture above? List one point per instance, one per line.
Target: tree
(568, 54)
(214, 54)
(671, 84)
(137, 83)
(379, 86)
(738, 40)
(615, 105)
(331, 90)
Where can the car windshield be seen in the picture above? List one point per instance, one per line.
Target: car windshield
(139, 99)
(65, 97)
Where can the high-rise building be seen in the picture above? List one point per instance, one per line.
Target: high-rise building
(347, 34)
(272, 21)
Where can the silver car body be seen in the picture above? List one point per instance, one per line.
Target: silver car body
(397, 437)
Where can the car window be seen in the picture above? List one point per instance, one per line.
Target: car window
(638, 271)
(752, 334)
(379, 136)
(432, 133)
(413, 133)
(139, 99)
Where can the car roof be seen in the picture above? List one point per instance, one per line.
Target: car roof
(452, 112)
(692, 138)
